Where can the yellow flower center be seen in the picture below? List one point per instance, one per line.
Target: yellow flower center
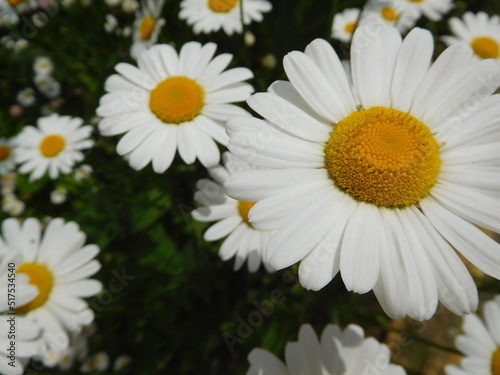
(389, 13)
(417, 1)
(222, 6)
(486, 47)
(52, 145)
(383, 156)
(42, 278)
(15, 2)
(495, 362)
(350, 27)
(244, 209)
(5, 152)
(147, 27)
(177, 99)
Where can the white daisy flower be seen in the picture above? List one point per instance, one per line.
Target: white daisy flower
(121, 362)
(207, 16)
(389, 12)
(382, 184)
(480, 31)
(43, 66)
(26, 97)
(54, 146)
(6, 156)
(58, 196)
(147, 26)
(82, 172)
(26, 333)
(243, 241)
(130, 6)
(173, 101)
(59, 264)
(432, 9)
(66, 359)
(344, 24)
(12, 205)
(101, 361)
(110, 24)
(480, 343)
(345, 352)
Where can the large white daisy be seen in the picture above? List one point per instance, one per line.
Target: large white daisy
(337, 352)
(380, 181)
(432, 9)
(243, 241)
(54, 146)
(59, 265)
(480, 31)
(208, 16)
(16, 292)
(173, 101)
(147, 26)
(7, 162)
(480, 343)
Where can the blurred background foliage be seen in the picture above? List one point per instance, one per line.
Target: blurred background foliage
(183, 304)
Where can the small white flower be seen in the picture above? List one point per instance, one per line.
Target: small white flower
(43, 66)
(20, 44)
(26, 97)
(480, 343)
(7, 161)
(480, 31)
(390, 12)
(432, 9)
(147, 26)
(54, 146)
(112, 3)
(111, 23)
(58, 196)
(214, 15)
(249, 38)
(82, 172)
(12, 206)
(121, 362)
(344, 24)
(130, 6)
(101, 361)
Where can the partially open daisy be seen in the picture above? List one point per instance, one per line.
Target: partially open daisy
(173, 102)
(7, 162)
(389, 12)
(480, 343)
(336, 352)
(59, 265)
(147, 26)
(207, 16)
(480, 31)
(54, 146)
(243, 241)
(381, 185)
(17, 292)
(432, 9)
(344, 24)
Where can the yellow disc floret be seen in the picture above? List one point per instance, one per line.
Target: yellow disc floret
(5, 152)
(147, 27)
(244, 209)
(52, 145)
(383, 156)
(42, 278)
(486, 47)
(177, 99)
(15, 2)
(495, 362)
(222, 6)
(350, 27)
(389, 13)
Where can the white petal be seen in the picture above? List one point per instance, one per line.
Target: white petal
(474, 245)
(373, 57)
